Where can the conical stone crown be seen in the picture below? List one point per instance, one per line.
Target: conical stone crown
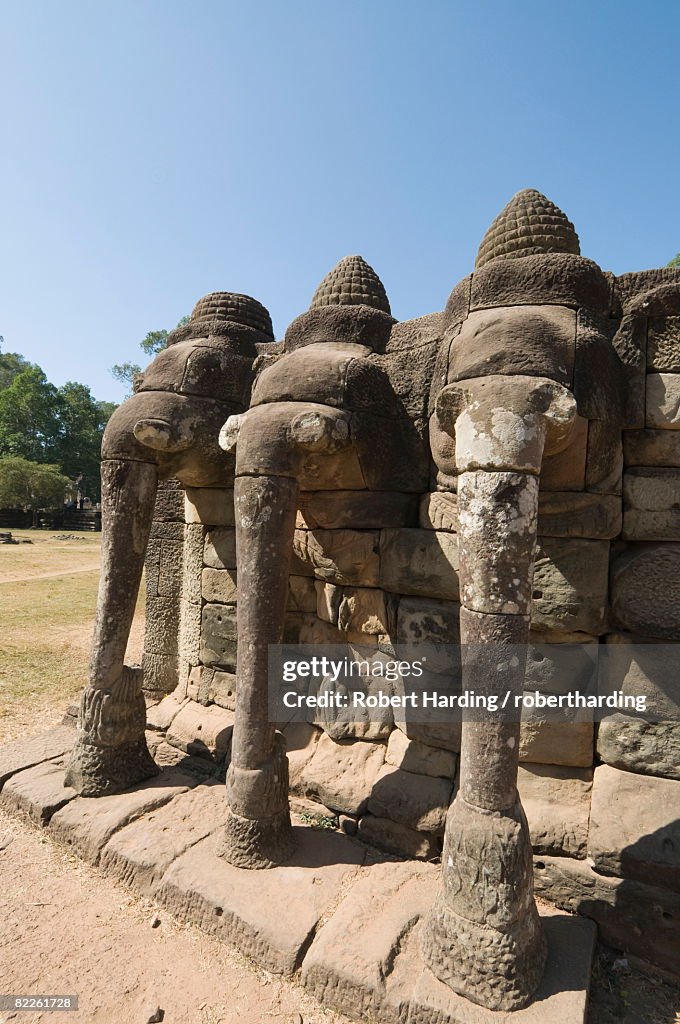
(351, 283)
(231, 307)
(530, 224)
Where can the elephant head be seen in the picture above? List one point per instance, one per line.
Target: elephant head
(169, 427)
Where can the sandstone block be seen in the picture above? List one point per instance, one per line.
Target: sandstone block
(218, 635)
(161, 715)
(160, 632)
(663, 344)
(342, 775)
(651, 448)
(38, 792)
(141, 852)
(566, 471)
(573, 514)
(398, 839)
(419, 759)
(635, 827)
(645, 590)
(219, 551)
(270, 916)
(556, 802)
(651, 510)
(419, 563)
(24, 753)
(417, 801)
(604, 463)
(569, 742)
(301, 740)
(349, 968)
(218, 687)
(340, 556)
(356, 510)
(202, 731)
(212, 506)
(301, 594)
(663, 401)
(87, 823)
(189, 631)
(439, 511)
(570, 588)
(192, 562)
(219, 585)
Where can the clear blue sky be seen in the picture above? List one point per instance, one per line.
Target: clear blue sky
(151, 152)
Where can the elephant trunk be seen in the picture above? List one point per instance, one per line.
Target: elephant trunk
(483, 936)
(272, 441)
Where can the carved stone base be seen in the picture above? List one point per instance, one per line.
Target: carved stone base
(257, 843)
(99, 771)
(500, 970)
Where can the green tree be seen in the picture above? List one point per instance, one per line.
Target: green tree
(82, 422)
(151, 345)
(11, 365)
(675, 262)
(29, 485)
(30, 424)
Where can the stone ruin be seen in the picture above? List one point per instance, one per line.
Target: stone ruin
(505, 475)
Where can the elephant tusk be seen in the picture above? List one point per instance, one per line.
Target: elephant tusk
(229, 433)
(320, 431)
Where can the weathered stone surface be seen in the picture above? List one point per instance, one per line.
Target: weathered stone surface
(417, 801)
(301, 740)
(219, 551)
(192, 562)
(663, 401)
(159, 716)
(419, 759)
(219, 585)
(301, 594)
(202, 731)
(212, 506)
(189, 631)
(560, 513)
(38, 792)
(217, 688)
(398, 839)
(310, 812)
(567, 514)
(644, 671)
(419, 562)
(513, 340)
(340, 471)
(340, 556)
(561, 998)
(342, 775)
(604, 464)
(639, 919)
(352, 609)
(271, 915)
(160, 634)
(556, 802)
(218, 635)
(569, 742)
(635, 827)
(87, 823)
(645, 590)
(348, 968)
(651, 448)
(21, 754)
(566, 471)
(571, 579)
(552, 278)
(560, 663)
(356, 510)
(663, 344)
(357, 722)
(140, 853)
(651, 504)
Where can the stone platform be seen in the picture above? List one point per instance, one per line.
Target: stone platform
(343, 918)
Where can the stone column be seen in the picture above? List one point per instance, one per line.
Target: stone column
(483, 936)
(163, 590)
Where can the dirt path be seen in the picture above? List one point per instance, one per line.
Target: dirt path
(11, 578)
(68, 930)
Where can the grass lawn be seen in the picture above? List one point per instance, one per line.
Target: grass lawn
(48, 592)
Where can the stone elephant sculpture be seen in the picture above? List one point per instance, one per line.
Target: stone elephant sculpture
(505, 409)
(169, 427)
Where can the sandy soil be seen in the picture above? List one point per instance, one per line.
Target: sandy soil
(68, 930)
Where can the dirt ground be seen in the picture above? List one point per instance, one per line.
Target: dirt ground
(66, 929)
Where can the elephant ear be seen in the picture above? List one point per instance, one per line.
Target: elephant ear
(529, 225)
(352, 282)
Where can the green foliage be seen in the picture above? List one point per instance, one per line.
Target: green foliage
(29, 485)
(43, 424)
(675, 262)
(151, 345)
